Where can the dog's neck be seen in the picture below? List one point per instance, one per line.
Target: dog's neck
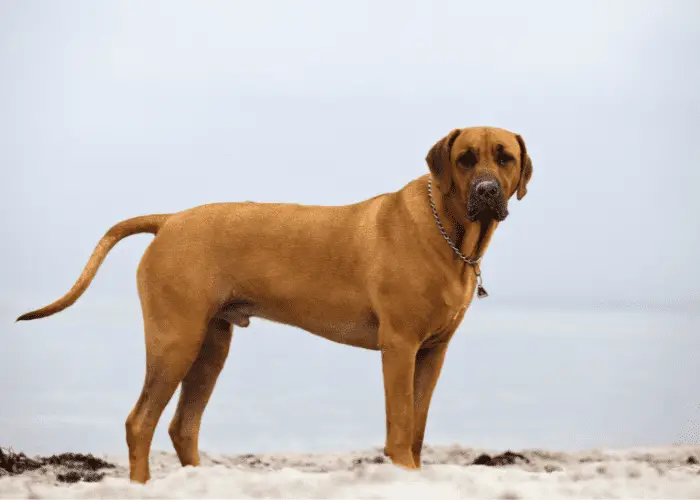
(470, 237)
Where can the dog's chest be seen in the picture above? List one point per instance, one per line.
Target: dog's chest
(455, 300)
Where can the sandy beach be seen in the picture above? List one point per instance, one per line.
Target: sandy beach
(448, 472)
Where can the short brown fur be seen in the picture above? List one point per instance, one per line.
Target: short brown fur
(376, 274)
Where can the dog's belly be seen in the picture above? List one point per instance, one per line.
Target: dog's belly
(356, 328)
(354, 334)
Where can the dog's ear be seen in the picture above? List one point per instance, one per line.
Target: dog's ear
(525, 168)
(438, 158)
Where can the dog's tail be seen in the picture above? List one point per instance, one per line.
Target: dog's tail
(145, 224)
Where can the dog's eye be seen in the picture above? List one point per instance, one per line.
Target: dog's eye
(504, 159)
(467, 159)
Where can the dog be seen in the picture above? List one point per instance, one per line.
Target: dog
(393, 273)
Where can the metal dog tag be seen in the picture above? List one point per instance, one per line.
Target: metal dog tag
(481, 292)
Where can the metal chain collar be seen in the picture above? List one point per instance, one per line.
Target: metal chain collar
(471, 262)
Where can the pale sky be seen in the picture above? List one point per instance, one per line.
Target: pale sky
(114, 109)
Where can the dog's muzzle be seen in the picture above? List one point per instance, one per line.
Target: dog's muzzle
(486, 200)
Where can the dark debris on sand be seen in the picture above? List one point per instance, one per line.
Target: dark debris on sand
(507, 458)
(377, 459)
(69, 467)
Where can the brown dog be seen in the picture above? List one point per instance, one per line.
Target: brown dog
(376, 274)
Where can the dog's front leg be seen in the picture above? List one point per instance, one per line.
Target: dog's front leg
(398, 367)
(428, 366)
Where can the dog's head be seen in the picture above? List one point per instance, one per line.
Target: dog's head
(479, 169)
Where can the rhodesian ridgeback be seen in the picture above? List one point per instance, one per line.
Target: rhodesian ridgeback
(393, 273)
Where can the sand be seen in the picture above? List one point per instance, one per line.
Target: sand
(448, 472)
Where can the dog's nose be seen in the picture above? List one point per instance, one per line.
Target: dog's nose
(486, 188)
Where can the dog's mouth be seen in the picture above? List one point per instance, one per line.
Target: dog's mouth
(486, 200)
(487, 210)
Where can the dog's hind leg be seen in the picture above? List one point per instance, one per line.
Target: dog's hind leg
(197, 387)
(172, 345)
